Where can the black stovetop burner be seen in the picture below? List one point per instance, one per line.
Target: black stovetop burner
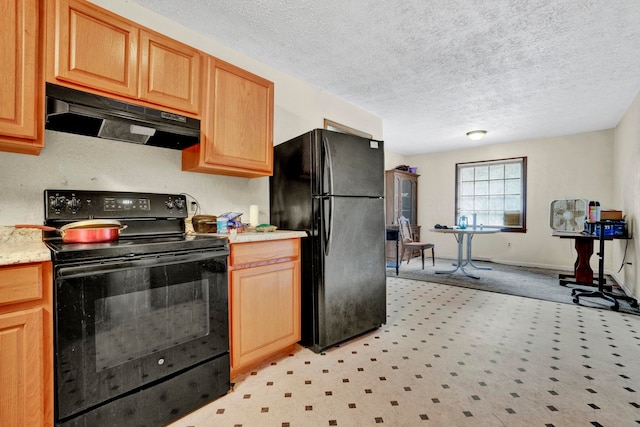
(154, 224)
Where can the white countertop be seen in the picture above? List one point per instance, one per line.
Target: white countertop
(254, 236)
(21, 246)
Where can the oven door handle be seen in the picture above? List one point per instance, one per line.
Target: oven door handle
(138, 262)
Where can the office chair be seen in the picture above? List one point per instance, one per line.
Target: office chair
(408, 243)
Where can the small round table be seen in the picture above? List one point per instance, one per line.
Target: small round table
(459, 233)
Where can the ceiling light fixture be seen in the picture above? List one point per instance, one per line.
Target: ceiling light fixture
(476, 135)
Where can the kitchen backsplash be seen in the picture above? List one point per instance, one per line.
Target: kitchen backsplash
(84, 163)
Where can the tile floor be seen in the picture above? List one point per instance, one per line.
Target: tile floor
(451, 356)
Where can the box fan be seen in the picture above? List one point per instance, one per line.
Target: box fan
(568, 215)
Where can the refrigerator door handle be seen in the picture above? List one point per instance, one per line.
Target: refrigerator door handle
(327, 167)
(328, 224)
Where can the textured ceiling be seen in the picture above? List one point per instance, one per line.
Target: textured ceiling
(435, 69)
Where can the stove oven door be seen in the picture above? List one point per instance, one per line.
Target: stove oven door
(123, 325)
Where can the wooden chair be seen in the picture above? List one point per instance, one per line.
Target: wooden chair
(408, 243)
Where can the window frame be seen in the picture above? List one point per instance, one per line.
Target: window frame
(523, 197)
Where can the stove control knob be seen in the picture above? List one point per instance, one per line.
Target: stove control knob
(179, 203)
(169, 204)
(74, 204)
(57, 203)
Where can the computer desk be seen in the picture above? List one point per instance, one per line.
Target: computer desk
(584, 246)
(582, 271)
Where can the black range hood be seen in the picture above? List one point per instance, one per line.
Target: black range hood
(83, 113)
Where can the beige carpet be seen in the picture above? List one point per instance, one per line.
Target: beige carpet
(507, 279)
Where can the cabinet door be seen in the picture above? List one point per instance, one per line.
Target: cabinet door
(170, 73)
(237, 127)
(91, 47)
(21, 368)
(21, 91)
(265, 311)
(404, 197)
(397, 198)
(407, 199)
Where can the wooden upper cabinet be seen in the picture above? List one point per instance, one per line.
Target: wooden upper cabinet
(91, 47)
(237, 124)
(242, 119)
(170, 72)
(21, 86)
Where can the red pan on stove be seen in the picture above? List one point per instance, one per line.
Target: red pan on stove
(88, 231)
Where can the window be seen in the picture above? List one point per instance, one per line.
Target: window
(495, 191)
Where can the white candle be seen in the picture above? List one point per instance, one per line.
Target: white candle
(254, 215)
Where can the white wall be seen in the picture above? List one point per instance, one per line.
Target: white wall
(76, 162)
(391, 160)
(626, 175)
(569, 166)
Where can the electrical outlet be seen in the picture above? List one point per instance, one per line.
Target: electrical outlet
(193, 207)
(508, 244)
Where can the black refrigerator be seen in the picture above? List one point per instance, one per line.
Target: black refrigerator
(331, 185)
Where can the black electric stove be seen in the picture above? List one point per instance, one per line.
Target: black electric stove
(141, 333)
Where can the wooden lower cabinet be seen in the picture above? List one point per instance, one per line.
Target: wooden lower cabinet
(264, 294)
(21, 368)
(26, 345)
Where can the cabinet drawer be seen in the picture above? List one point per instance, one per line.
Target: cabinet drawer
(20, 283)
(256, 253)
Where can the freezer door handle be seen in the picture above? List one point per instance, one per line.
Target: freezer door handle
(327, 168)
